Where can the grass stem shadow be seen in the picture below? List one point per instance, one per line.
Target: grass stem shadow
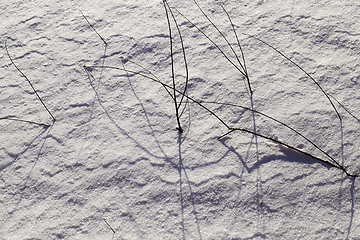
(352, 188)
(23, 186)
(181, 169)
(18, 155)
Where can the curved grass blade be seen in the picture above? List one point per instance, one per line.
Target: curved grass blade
(148, 71)
(244, 72)
(185, 62)
(295, 149)
(231, 129)
(222, 52)
(93, 27)
(282, 123)
(163, 84)
(237, 39)
(28, 82)
(173, 70)
(22, 120)
(298, 66)
(347, 110)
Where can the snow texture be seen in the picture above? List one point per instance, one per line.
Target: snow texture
(114, 152)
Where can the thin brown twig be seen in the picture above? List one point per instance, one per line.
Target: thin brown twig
(109, 225)
(28, 82)
(22, 120)
(93, 27)
(232, 129)
(298, 66)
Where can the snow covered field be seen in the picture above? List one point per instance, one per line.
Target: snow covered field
(114, 152)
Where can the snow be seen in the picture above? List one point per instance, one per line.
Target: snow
(114, 152)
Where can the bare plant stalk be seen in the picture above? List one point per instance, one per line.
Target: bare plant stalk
(29, 83)
(93, 28)
(109, 225)
(21, 120)
(347, 110)
(184, 55)
(147, 70)
(172, 70)
(275, 120)
(298, 66)
(237, 39)
(244, 71)
(334, 163)
(164, 85)
(222, 52)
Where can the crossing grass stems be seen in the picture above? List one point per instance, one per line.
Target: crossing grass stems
(173, 91)
(34, 90)
(179, 96)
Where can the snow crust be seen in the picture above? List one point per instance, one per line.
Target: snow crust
(114, 152)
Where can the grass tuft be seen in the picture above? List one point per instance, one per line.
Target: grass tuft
(173, 91)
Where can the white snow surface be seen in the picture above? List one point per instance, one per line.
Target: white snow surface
(114, 152)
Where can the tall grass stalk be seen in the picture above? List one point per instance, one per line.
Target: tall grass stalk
(242, 68)
(22, 120)
(93, 28)
(177, 105)
(332, 161)
(298, 66)
(173, 91)
(29, 83)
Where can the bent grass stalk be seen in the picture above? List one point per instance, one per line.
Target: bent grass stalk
(93, 28)
(148, 71)
(221, 51)
(334, 163)
(22, 120)
(237, 39)
(347, 110)
(298, 66)
(163, 84)
(337, 165)
(28, 82)
(172, 70)
(242, 65)
(282, 123)
(177, 106)
(184, 56)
